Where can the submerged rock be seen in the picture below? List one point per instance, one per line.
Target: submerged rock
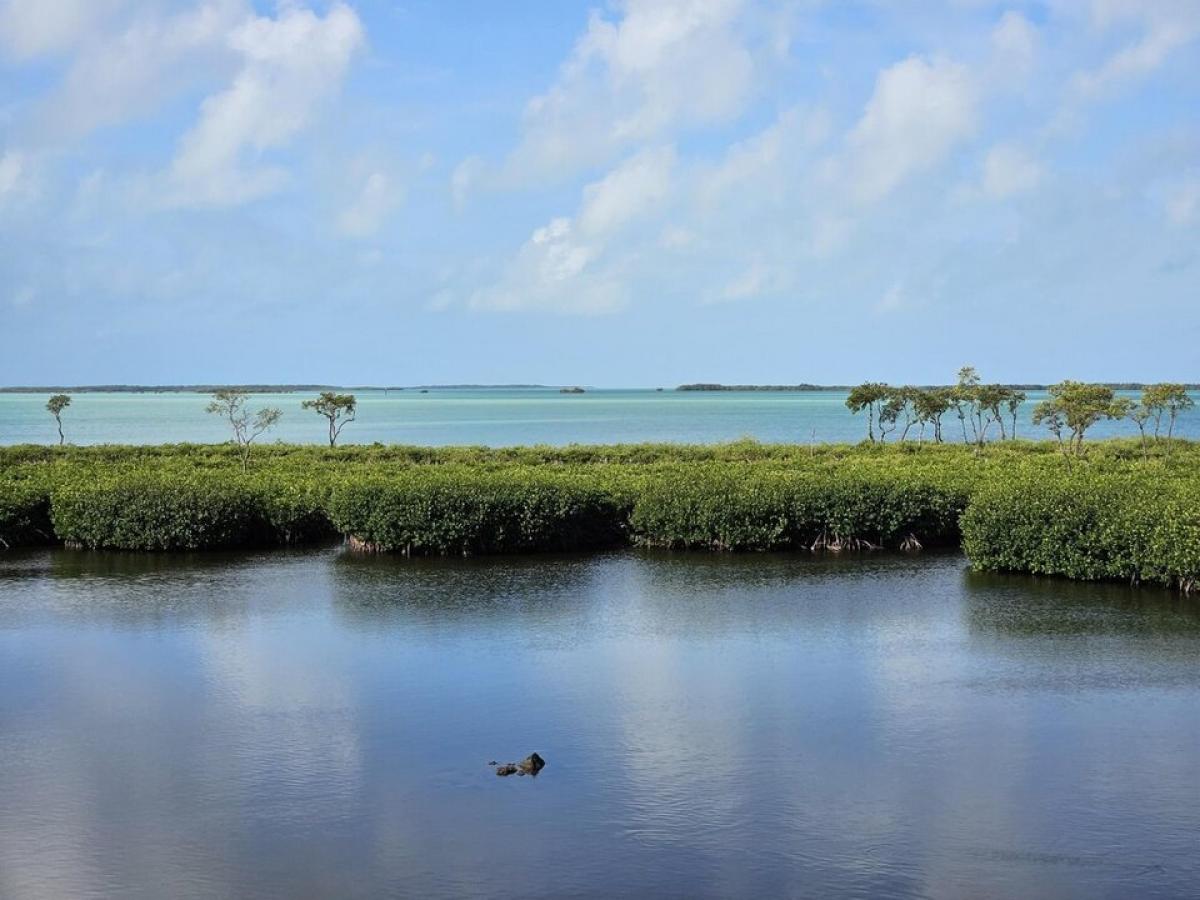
(530, 765)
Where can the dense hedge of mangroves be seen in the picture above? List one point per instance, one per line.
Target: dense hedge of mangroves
(1088, 526)
(1125, 511)
(464, 512)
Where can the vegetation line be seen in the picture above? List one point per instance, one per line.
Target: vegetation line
(1117, 509)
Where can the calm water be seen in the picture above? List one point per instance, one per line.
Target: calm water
(314, 725)
(492, 417)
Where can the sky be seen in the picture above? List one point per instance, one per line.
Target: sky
(638, 193)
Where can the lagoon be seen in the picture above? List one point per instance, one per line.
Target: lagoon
(493, 417)
(317, 723)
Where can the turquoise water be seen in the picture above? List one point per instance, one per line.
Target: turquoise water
(492, 417)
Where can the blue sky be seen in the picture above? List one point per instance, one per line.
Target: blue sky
(640, 193)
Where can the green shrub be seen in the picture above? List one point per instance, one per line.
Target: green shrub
(465, 512)
(731, 508)
(24, 513)
(153, 511)
(1087, 526)
(1117, 514)
(293, 509)
(715, 510)
(156, 513)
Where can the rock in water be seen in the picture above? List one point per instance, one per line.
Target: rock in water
(530, 765)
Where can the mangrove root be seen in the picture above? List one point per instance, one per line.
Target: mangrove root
(838, 543)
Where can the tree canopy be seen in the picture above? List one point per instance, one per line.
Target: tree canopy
(339, 409)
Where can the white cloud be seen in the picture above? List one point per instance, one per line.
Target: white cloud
(290, 65)
(1166, 26)
(674, 237)
(1183, 201)
(119, 75)
(464, 178)
(560, 257)
(750, 283)
(633, 188)
(1014, 45)
(31, 28)
(662, 65)
(1009, 170)
(768, 162)
(563, 265)
(920, 110)
(11, 165)
(374, 202)
(551, 272)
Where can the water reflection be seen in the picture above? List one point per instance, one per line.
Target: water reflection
(1039, 606)
(317, 724)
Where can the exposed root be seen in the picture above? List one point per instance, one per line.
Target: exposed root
(839, 543)
(911, 545)
(358, 545)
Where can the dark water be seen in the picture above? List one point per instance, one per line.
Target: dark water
(312, 725)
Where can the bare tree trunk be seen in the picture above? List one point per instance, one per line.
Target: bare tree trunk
(60, 431)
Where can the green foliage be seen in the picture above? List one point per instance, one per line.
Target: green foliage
(1168, 399)
(1088, 526)
(869, 396)
(56, 404)
(929, 405)
(464, 512)
(24, 513)
(150, 512)
(1075, 407)
(725, 508)
(338, 409)
(230, 404)
(142, 510)
(976, 404)
(1127, 510)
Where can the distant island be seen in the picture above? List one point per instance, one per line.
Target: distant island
(251, 388)
(704, 386)
(571, 390)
